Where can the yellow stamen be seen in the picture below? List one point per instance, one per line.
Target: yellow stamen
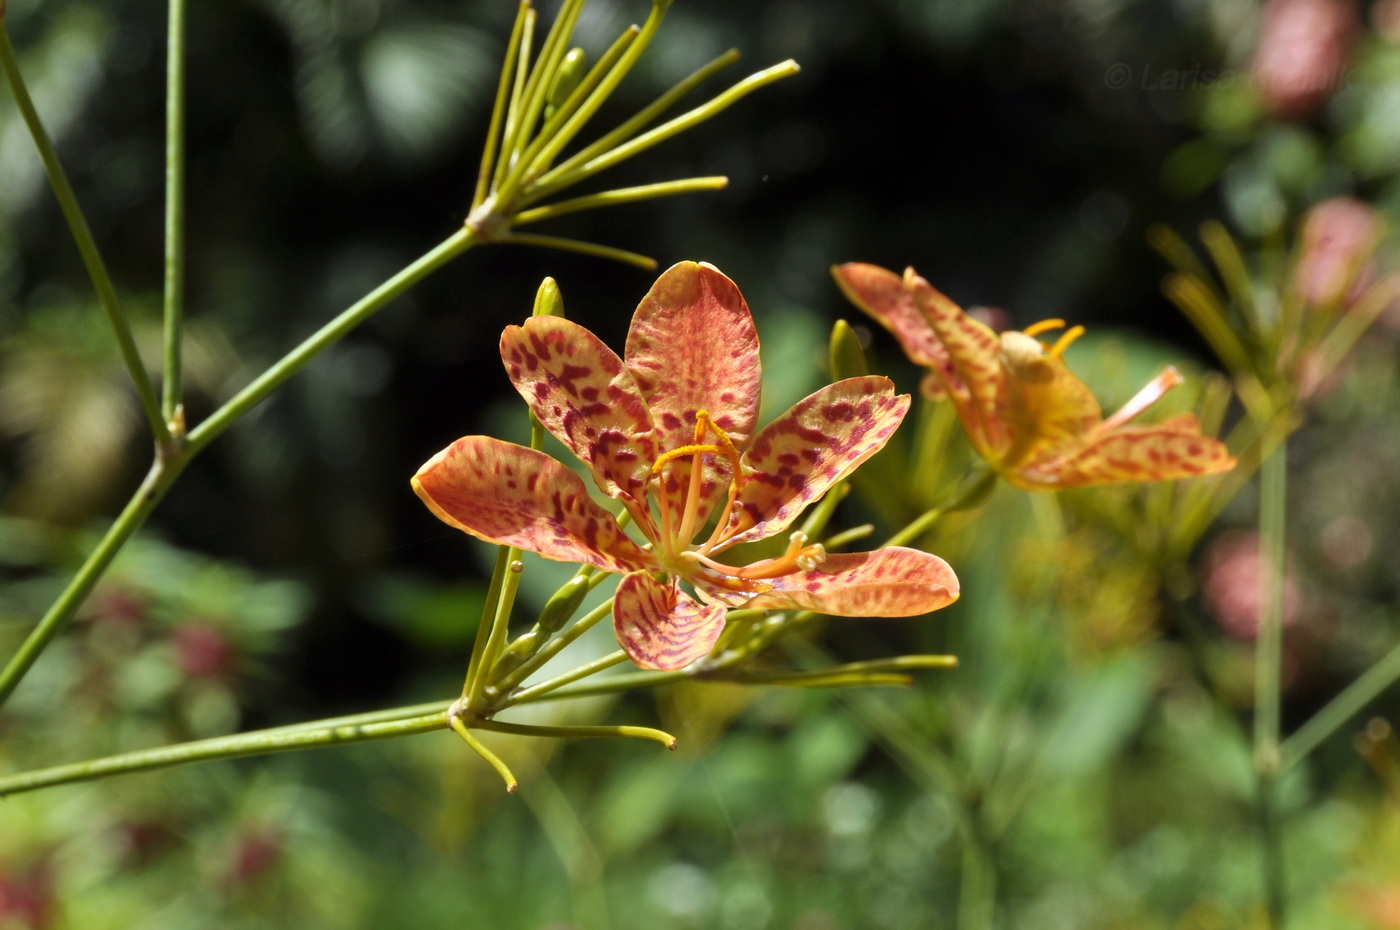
(1065, 341)
(666, 458)
(1043, 326)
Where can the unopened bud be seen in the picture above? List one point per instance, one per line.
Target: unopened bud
(548, 300)
(566, 79)
(563, 604)
(847, 357)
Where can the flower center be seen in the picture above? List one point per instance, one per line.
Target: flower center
(680, 523)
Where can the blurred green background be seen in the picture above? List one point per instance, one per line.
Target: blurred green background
(1087, 766)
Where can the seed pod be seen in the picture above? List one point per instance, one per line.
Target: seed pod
(564, 604)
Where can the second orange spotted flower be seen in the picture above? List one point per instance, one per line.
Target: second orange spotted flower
(1023, 410)
(669, 431)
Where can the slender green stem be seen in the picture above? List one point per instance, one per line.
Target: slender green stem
(1353, 699)
(493, 132)
(500, 626)
(972, 491)
(554, 646)
(554, 180)
(475, 668)
(1267, 685)
(512, 783)
(568, 678)
(161, 476)
(643, 118)
(82, 237)
(585, 248)
(522, 729)
(612, 684)
(172, 379)
(297, 359)
(279, 739)
(509, 138)
(620, 196)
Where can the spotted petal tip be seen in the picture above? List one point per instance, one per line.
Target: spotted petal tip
(890, 582)
(661, 627)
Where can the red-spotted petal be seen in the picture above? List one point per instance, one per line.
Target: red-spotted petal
(882, 295)
(661, 627)
(976, 355)
(514, 496)
(795, 459)
(585, 396)
(1176, 449)
(692, 346)
(889, 582)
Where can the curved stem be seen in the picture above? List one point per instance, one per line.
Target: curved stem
(82, 237)
(356, 729)
(174, 210)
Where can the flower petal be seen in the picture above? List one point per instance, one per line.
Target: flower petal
(514, 496)
(692, 346)
(1046, 407)
(1175, 449)
(975, 351)
(795, 459)
(883, 296)
(661, 627)
(585, 396)
(889, 582)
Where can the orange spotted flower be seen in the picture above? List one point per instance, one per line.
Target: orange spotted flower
(1025, 413)
(668, 430)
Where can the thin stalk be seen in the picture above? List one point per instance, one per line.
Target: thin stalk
(357, 729)
(629, 681)
(158, 480)
(297, 359)
(585, 248)
(645, 116)
(556, 179)
(625, 52)
(512, 783)
(172, 377)
(554, 646)
(871, 667)
(1353, 699)
(522, 729)
(536, 88)
(567, 119)
(475, 667)
(568, 678)
(500, 626)
(82, 238)
(1267, 683)
(510, 137)
(972, 491)
(620, 196)
(498, 110)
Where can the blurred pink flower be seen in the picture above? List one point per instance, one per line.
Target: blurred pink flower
(1232, 571)
(27, 898)
(202, 651)
(1335, 262)
(1302, 53)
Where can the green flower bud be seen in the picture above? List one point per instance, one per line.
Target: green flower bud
(548, 300)
(847, 357)
(566, 79)
(564, 604)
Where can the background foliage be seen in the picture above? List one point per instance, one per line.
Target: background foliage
(1087, 766)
